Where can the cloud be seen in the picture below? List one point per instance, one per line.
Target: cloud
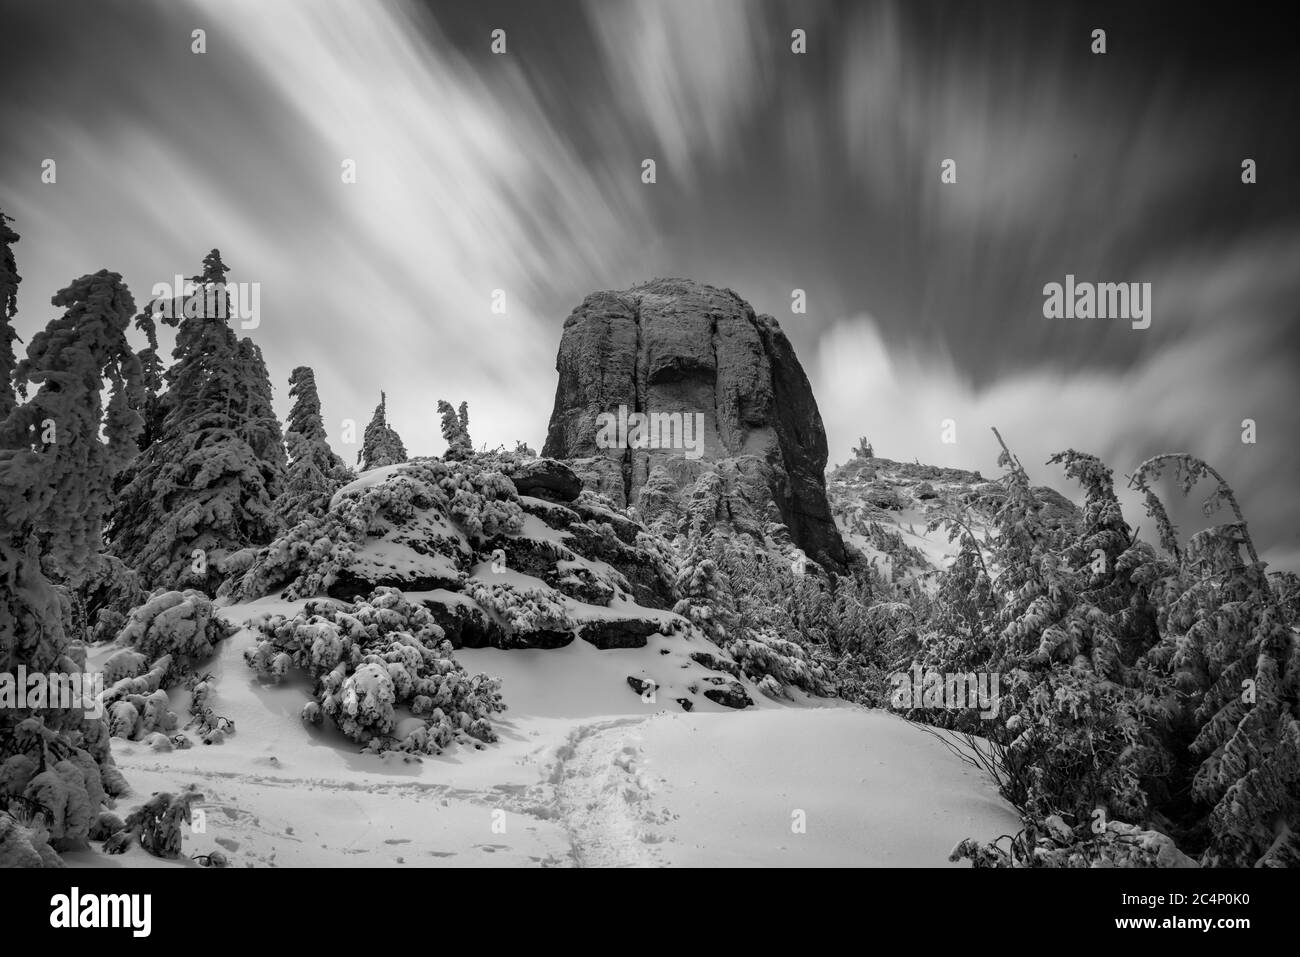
(691, 72)
(1189, 396)
(464, 186)
(1014, 108)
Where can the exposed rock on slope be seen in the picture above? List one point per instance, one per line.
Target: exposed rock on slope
(883, 509)
(676, 347)
(495, 568)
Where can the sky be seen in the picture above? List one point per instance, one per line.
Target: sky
(821, 171)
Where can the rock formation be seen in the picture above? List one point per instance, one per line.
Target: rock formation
(721, 389)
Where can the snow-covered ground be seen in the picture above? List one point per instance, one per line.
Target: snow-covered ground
(585, 773)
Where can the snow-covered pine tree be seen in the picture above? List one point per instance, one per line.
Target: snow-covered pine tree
(103, 597)
(315, 472)
(1231, 643)
(962, 624)
(9, 280)
(381, 445)
(258, 424)
(55, 468)
(455, 429)
(705, 597)
(305, 418)
(204, 488)
(58, 453)
(1062, 626)
(152, 367)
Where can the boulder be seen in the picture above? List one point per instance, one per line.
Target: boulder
(731, 695)
(465, 624)
(639, 685)
(546, 478)
(606, 633)
(714, 663)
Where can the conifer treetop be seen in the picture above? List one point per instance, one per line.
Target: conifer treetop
(305, 416)
(455, 429)
(381, 445)
(214, 270)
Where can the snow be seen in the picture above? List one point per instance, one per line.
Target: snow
(537, 530)
(585, 773)
(580, 681)
(384, 559)
(705, 790)
(368, 479)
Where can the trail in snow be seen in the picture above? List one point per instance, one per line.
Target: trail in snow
(829, 787)
(605, 796)
(838, 786)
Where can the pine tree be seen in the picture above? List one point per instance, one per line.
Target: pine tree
(305, 416)
(253, 406)
(705, 597)
(315, 472)
(455, 429)
(1064, 623)
(58, 453)
(1230, 643)
(213, 275)
(9, 280)
(381, 446)
(151, 364)
(56, 470)
(204, 488)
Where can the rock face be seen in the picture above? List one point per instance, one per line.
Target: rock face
(674, 348)
(546, 478)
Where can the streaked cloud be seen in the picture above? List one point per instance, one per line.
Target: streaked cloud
(692, 71)
(1190, 394)
(521, 173)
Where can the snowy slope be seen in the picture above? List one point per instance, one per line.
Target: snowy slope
(754, 791)
(586, 773)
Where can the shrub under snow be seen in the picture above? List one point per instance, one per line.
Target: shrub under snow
(481, 502)
(372, 658)
(179, 624)
(776, 662)
(156, 824)
(53, 785)
(524, 609)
